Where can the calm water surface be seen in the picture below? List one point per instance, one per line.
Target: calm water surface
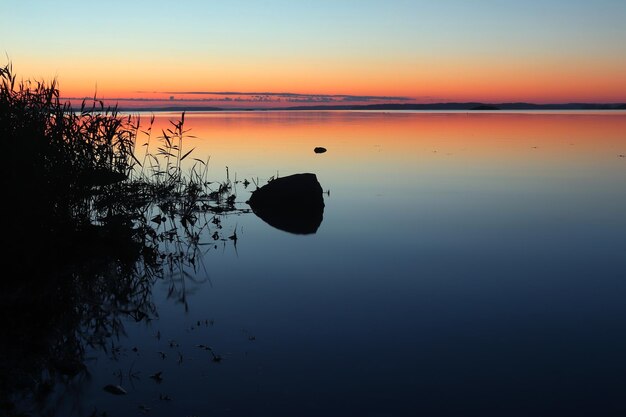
(467, 265)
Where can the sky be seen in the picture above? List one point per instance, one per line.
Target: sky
(548, 51)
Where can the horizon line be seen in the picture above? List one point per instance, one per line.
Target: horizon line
(437, 106)
(339, 103)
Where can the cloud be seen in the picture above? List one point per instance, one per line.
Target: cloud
(263, 99)
(291, 97)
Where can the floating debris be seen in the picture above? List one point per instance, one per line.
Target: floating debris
(115, 390)
(216, 358)
(158, 377)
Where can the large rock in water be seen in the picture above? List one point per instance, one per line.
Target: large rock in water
(293, 203)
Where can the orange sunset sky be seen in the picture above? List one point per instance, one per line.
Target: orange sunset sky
(551, 51)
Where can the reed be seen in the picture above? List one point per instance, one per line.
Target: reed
(90, 229)
(73, 167)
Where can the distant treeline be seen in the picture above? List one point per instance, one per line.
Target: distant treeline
(406, 106)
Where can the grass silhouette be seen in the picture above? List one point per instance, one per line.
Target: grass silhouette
(88, 229)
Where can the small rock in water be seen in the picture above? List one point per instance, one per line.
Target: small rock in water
(319, 149)
(115, 390)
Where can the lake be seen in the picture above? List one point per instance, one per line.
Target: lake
(467, 264)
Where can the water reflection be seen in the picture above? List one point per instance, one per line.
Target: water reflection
(101, 256)
(51, 318)
(460, 255)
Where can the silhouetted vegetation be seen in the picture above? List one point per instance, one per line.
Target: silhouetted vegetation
(485, 107)
(88, 229)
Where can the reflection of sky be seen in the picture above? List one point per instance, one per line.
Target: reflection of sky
(485, 278)
(369, 148)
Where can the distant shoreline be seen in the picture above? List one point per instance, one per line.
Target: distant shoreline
(468, 106)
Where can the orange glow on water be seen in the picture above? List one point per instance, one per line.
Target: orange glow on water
(261, 143)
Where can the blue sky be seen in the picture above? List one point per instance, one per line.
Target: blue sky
(281, 39)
